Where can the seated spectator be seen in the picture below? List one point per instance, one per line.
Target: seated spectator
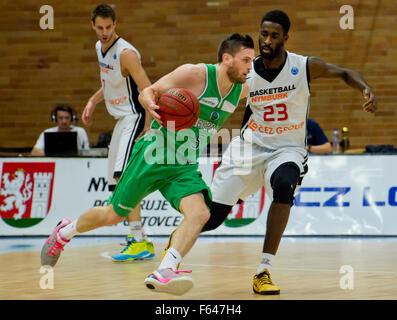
(63, 116)
(317, 141)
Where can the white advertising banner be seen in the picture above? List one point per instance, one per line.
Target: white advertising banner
(340, 195)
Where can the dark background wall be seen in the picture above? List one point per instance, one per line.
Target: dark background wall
(39, 68)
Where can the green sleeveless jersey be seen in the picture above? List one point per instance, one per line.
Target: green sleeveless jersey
(184, 147)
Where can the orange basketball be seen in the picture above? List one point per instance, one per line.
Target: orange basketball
(179, 109)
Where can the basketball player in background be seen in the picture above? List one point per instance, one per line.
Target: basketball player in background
(274, 125)
(218, 88)
(122, 76)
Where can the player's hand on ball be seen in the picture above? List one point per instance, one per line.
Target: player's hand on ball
(153, 107)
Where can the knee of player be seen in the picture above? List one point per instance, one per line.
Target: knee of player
(283, 182)
(111, 217)
(284, 185)
(203, 216)
(283, 190)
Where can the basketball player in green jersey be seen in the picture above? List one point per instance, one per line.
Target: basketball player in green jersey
(218, 88)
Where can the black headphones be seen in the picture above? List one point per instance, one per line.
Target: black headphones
(63, 107)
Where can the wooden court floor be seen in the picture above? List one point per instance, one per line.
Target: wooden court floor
(304, 270)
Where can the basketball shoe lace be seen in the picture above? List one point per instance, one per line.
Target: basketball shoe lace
(181, 271)
(264, 278)
(170, 273)
(128, 244)
(55, 248)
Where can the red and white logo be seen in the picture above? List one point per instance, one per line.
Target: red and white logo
(26, 192)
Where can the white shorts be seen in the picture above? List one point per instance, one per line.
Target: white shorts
(246, 167)
(125, 132)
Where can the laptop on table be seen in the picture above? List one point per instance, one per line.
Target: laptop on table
(60, 144)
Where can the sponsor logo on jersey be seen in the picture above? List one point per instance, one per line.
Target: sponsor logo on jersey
(206, 125)
(117, 101)
(26, 192)
(274, 130)
(115, 56)
(105, 65)
(270, 97)
(270, 94)
(262, 92)
(211, 102)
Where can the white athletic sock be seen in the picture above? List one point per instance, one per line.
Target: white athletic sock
(137, 230)
(69, 231)
(171, 259)
(266, 262)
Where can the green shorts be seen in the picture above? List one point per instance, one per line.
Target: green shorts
(141, 178)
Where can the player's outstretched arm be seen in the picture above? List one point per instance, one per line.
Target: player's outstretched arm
(188, 76)
(318, 68)
(90, 107)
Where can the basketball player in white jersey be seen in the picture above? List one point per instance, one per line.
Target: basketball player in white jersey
(122, 78)
(274, 126)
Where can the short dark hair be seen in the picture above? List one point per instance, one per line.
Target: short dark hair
(233, 43)
(64, 107)
(104, 11)
(278, 16)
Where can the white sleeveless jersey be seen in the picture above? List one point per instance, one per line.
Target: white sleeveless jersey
(277, 111)
(120, 93)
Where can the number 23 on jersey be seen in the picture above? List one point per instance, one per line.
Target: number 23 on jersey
(277, 112)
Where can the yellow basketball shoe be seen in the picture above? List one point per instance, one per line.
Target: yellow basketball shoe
(263, 284)
(135, 250)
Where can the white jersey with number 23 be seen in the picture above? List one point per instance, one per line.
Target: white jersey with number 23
(279, 109)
